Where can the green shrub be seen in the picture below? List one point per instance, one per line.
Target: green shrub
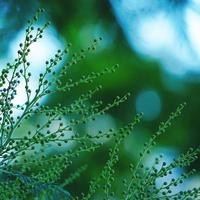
(29, 171)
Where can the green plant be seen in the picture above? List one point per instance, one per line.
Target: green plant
(29, 171)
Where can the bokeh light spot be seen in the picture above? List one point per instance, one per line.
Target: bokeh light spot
(102, 123)
(168, 154)
(167, 31)
(41, 51)
(149, 103)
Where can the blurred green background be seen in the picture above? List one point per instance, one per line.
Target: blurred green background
(154, 91)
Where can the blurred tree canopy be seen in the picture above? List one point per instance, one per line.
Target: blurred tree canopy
(79, 22)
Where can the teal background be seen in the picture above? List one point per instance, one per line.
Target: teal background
(79, 22)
